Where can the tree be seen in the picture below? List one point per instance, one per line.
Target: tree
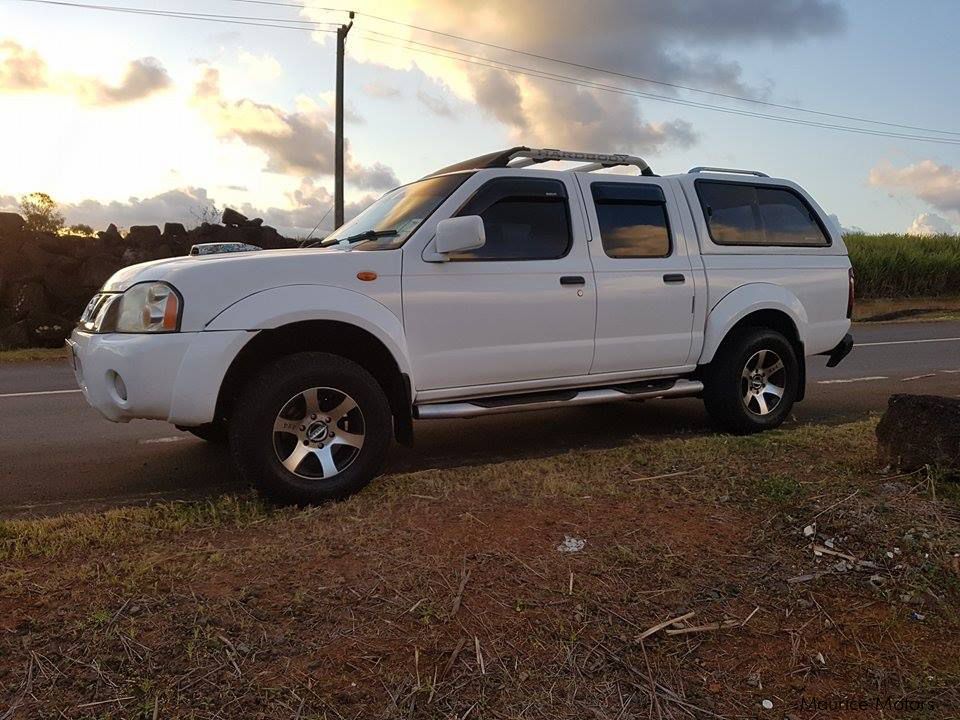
(81, 229)
(40, 213)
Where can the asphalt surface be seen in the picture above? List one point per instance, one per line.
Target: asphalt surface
(57, 454)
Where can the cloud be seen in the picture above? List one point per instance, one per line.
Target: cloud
(844, 229)
(260, 68)
(295, 143)
(437, 105)
(499, 94)
(588, 119)
(308, 205)
(380, 90)
(937, 185)
(186, 205)
(21, 69)
(142, 78)
(679, 43)
(931, 224)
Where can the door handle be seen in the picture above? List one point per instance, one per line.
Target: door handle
(674, 278)
(573, 280)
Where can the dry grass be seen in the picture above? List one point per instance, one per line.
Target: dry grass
(442, 593)
(906, 309)
(34, 355)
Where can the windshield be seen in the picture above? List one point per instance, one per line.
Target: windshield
(388, 223)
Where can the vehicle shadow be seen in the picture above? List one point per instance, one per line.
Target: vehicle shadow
(450, 443)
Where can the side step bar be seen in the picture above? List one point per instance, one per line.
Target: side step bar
(493, 406)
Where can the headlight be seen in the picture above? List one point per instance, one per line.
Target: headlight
(150, 307)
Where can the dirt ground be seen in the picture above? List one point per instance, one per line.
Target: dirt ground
(813, 583)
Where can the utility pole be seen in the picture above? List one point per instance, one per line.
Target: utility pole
(338, 142)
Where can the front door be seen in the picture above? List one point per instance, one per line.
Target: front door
(520, 308)
(645, 287)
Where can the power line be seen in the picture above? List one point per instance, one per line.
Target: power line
(207, 17)
(580, 82)
(608, 71)
(459, 56)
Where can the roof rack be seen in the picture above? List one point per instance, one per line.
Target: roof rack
(732, 171)
(521, 156)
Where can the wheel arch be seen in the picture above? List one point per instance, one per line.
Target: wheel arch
(333, 336)
(761, 305)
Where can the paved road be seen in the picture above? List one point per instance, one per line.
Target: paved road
(57, 454)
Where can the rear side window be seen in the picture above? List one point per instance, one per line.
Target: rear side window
(523, 218)
(744, 214)
(633, 220)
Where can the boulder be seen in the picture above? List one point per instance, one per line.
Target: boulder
(14, 336)
(919, 430)
(96, 270)
(20, 299)
(111, 233)
(10, 223)
(172, 230)
(143, 235)
(134, 256)
(232, 218)
(48, 329)
(210, 233)
(256, 222)
(70, 246)
(60, 282)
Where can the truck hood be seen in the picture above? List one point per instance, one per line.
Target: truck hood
(209, 284)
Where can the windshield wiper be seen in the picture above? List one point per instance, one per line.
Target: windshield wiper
(365, 235)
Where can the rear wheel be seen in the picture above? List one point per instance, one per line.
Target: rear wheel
(753, 382)
(311, 427)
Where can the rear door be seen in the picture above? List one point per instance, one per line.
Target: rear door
(643, 274)
(520, 308)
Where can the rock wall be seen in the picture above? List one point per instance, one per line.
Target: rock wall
(46, 280)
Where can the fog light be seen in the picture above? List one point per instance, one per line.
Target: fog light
(119, 386)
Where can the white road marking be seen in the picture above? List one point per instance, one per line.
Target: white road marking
(38, 392)
(918, 377)
(904, 342)
(950, 371)
(169, 439)
(852, 380)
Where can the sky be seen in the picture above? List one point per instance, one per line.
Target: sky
(134, 118)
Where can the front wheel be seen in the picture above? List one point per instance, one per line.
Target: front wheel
(752, 383)
(310, 427)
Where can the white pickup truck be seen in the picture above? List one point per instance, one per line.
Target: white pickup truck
(495, 285)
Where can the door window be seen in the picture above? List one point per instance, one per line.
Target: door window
(633, 220)
(523, 219)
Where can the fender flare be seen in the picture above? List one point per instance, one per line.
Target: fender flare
(741, 302)
(275, 307)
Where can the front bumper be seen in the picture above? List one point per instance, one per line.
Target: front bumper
(839, 352)
(171, 376)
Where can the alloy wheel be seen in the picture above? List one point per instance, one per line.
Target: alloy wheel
(318, 433)
(763, 382)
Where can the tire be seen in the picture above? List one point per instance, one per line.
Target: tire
(741, 383)
(214, 433)
(295, 453)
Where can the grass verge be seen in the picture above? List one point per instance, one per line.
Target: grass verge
(34, 355)
(444, 593)
(907, 309)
